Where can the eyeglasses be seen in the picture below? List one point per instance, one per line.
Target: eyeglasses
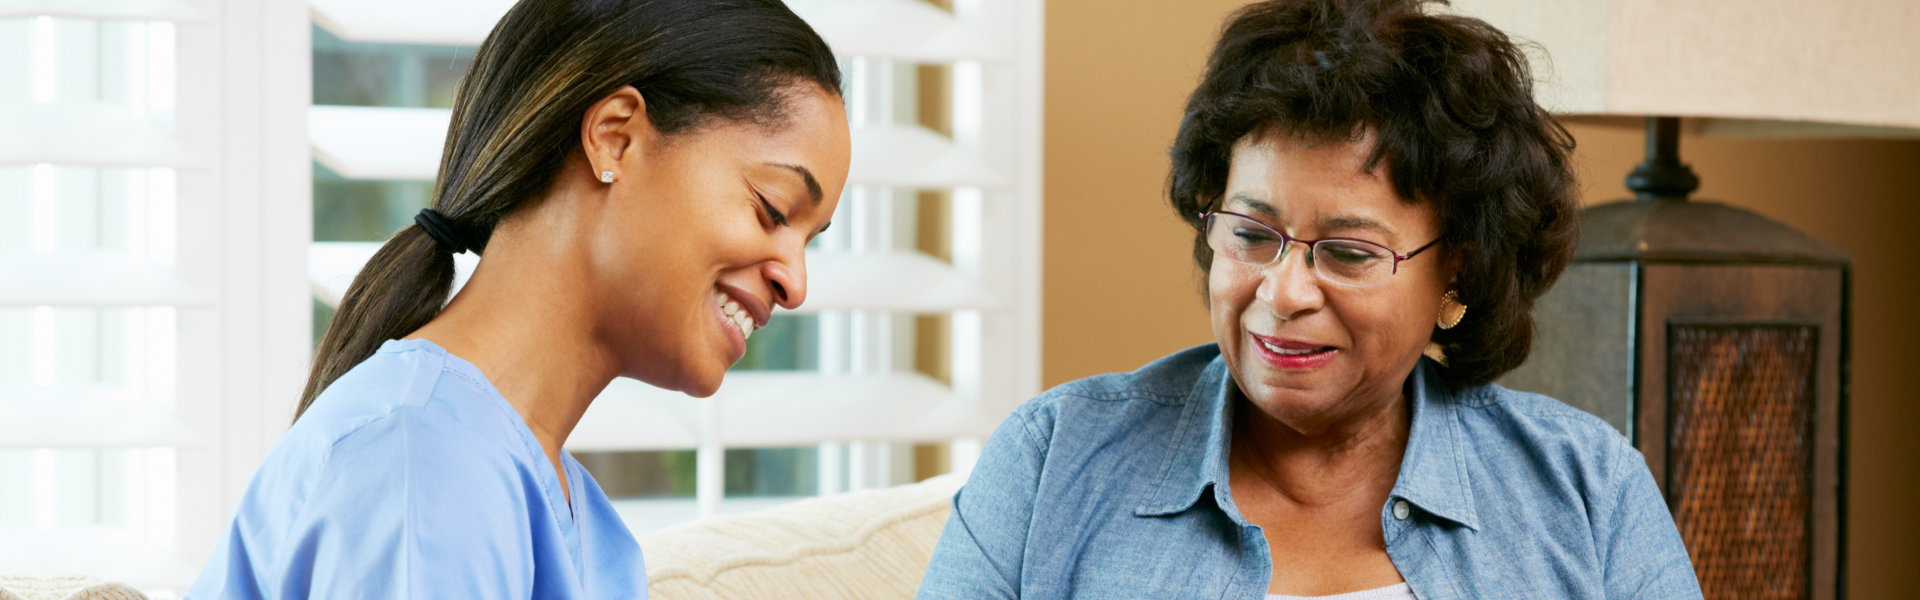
(1348, 262)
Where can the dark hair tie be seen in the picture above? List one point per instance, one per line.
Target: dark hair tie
(441, 229)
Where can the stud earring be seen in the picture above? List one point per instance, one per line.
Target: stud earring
(606, 177)
(1451, 311)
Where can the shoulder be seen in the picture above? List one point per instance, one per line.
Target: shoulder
(385, 478)
(1162, 387)
(1534, 419)
(1526, 435)
(404, 416)
(409, 394)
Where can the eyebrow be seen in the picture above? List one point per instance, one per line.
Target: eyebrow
(1350, 223)
(813, 185)
(1341, 223)
(1254, 204)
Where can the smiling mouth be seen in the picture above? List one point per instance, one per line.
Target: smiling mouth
(738, 316)
(1295, 351)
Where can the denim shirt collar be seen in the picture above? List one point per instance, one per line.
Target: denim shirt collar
(1433, 472)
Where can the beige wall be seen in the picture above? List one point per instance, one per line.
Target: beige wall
(1119, 288)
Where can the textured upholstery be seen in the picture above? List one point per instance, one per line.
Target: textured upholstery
(65, 588)
(869, 544)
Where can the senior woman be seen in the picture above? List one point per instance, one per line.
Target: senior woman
(1377, 201)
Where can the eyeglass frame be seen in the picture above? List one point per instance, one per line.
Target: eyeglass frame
(1286, 241)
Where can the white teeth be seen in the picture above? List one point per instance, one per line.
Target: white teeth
(1279, 350)
(740, 318)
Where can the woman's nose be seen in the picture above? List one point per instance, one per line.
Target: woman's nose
(1289, 285)
(788, 278)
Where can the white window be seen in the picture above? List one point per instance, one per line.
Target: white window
(187, 185)
(149, 278)
(922, 319)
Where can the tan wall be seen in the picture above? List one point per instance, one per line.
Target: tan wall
(1120, 290)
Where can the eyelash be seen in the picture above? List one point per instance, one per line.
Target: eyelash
(779, 218)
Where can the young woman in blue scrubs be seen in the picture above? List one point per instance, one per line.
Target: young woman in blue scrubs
(642, 177)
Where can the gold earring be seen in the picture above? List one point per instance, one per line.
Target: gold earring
(1451, 310)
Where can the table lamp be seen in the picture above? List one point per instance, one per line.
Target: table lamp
(1715, 338)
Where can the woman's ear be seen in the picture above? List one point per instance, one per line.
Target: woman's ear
(614, 132)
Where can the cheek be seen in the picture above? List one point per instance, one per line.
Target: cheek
(1390, 326)
(650, 262)
(1228, 295)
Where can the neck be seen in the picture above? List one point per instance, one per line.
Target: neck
(1357, 454)
(521, 320)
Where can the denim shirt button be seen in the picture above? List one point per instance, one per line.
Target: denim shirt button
(1401, 510)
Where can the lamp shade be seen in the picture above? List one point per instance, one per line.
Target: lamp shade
(1850, 62)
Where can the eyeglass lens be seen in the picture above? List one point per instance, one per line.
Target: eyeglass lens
(1347, 262)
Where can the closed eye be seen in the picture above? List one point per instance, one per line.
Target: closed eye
(778, 217)
(1249, 235)
(1350, 253)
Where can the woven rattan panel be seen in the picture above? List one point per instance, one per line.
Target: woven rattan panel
(1739, 472)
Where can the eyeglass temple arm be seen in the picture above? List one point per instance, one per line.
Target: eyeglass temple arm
(1420, 249)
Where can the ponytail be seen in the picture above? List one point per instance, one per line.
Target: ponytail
(401, 288)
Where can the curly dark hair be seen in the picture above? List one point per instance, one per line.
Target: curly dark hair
(1450, 102)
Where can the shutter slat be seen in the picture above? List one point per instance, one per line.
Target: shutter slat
(105, 10)
(907, 282)
(906, 30)
(92, 279)
(331, 267)
(91, 134)
(365, 142)
(897, 281)
(88, 418)
(910, 156)
(762, 409)
(630, 415)
(360, 142)
(440, 22)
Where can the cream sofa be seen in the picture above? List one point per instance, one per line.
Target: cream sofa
(65, 588)
(869, 544)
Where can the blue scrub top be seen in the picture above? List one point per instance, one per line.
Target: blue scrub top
(411, 477)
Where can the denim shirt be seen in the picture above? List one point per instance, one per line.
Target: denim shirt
(1115, 486)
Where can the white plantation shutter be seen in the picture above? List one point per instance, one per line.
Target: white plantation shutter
(153, 222)
(867, 281)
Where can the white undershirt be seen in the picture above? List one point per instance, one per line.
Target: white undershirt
(1398, 591)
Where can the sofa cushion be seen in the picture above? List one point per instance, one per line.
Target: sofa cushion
(65, 588)
(868, 544)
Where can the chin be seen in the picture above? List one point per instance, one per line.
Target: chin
(703, 386)
(1284, 399)
(1289, 396)
(695, 380)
